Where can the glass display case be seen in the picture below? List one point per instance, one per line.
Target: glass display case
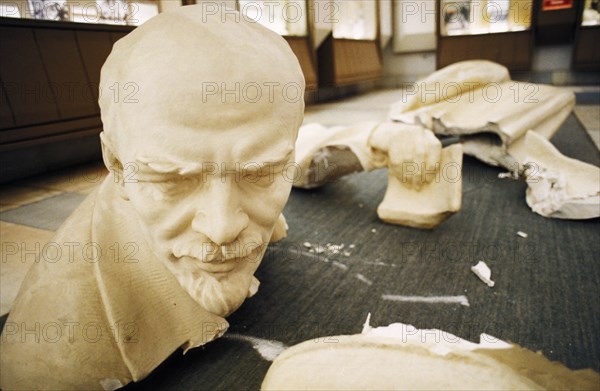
(113, 12)
(352, 53)
(484, 17)
(591, 13)
(414, 27)
(288, 18)
(285, 17)
(356, 19)
(495, 30)
(119, 12)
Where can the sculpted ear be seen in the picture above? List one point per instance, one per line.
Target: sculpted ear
(114, 166)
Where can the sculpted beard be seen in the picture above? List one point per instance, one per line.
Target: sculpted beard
(218, 278)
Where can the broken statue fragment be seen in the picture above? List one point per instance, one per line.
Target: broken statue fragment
(424, 179)
(559, 186)
(507, 123)
(402, 357)
(487, 110)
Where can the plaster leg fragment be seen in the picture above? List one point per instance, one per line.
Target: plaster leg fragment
(487, 125)
(484, 273)
(464, 76)
(430, 205)
(559, 186)
(402, 357)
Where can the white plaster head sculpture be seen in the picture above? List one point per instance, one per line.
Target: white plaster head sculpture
(201, 110)
(220, 101)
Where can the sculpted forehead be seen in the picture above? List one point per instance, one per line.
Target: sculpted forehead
(171, 141)
(187, 47)
(187, 71)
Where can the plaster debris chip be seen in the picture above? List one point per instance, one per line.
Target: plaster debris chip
(484, 273)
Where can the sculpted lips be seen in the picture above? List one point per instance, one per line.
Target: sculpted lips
(213, 267)
(215, 259)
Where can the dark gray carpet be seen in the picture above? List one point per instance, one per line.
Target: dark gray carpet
(546, 295)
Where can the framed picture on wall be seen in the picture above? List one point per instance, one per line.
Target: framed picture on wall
(591, 13)
(473, 17)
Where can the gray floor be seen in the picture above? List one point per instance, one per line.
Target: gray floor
(546, 295)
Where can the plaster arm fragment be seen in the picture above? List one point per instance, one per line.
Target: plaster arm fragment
(424, 179)
(420, 192)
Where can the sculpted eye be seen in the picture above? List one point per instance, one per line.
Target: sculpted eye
(172, 187)
(180, 185)
(262, 181)
(262, 178)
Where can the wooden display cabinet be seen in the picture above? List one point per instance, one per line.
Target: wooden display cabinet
(49, 78)
(352, 53)
(495, 31)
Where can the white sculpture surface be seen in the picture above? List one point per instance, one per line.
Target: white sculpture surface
(424, 179)
(464, 76)
(171, 239)
(559, 186)
(507, 123)
(477, 101)
(402, 357)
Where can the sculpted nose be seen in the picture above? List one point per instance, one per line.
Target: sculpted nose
(220, 216)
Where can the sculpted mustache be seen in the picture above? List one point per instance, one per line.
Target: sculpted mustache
(210, 252)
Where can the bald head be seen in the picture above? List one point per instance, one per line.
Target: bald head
(193, 69)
